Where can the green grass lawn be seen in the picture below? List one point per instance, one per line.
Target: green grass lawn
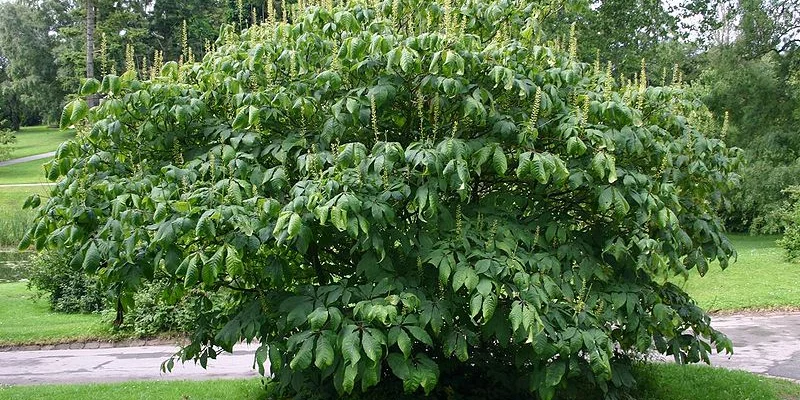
(696, 382)
(27, 172)
(243, 389)
(25, 321)
(13, 219)
(33, 140)
(657, 382)
(760, 279)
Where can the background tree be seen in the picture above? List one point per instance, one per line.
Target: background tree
(26, 42)
(91, 11)
(750, 80)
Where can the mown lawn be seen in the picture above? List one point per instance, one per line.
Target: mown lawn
(13, 219)
(243, 389)
(27, 172)
(696, 382)
(33, 140)
(656, 382)
(26, 319)
(760, 279)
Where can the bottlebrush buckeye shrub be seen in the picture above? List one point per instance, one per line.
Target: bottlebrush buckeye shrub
(409, 194)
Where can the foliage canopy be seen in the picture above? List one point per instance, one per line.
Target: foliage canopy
(409, 194)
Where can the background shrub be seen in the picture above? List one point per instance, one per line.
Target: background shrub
(154, 311)
(790, 216)
(7, 139)
(398, 195)
(69, 289)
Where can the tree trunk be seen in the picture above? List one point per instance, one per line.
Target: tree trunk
(90, 25)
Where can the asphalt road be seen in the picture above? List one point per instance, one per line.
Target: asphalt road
(117, 364)
(26, 159)
(764, 344)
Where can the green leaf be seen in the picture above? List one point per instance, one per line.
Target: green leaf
(302, 359)
(73, 112)
(192, 272)
(404, 343)
(349, 377)
(575, 146)
(472, 280)
(606, 199)
(485, 286)
(445, 267)
(460, 277)
(233, 263)
(91, 261)
(407, 59)
(351, 345)
(318, 317)
(611, 168)
(420, 334)
(499, 161)
(295, 224)
(398, 365)
(475, 304)
(538, 170)
(324, 353)
(371, 375)
(211, 268)
(205, 226)
(372, 346)
(428, 372)
(489, 306)
(515, 316)
(242, 118)
(554, 372)
(90, 87)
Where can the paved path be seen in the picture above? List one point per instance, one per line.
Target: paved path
(765, 344)
(26, 159)
(13, 185)
(116, 364)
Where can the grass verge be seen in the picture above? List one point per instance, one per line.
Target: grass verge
(761, 279)
(32, 140)
(243, 389)
(656, 382)
(696, 382)
(26, 319)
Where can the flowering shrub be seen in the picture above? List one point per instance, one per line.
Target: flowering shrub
(409, 195)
